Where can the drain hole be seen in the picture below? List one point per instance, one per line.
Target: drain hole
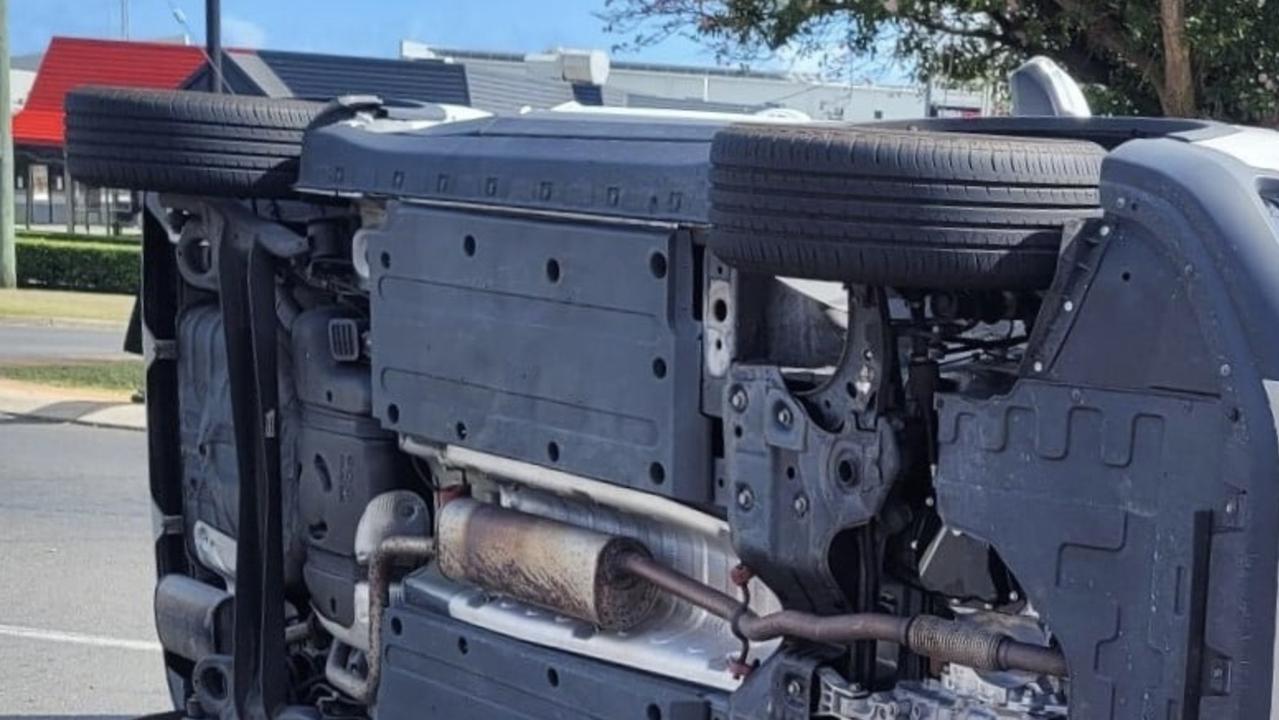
(657, 473)
(659, 368)
(847, 473)
(657, 265)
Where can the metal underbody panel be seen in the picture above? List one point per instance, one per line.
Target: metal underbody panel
(439, 668)
(567, 343)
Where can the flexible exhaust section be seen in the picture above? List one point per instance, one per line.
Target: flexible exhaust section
(926, 635)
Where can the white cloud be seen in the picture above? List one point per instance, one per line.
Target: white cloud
(238, 32)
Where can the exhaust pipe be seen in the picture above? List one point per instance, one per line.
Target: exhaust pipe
(614, 582)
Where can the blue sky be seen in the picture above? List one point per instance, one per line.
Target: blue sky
(349, 27)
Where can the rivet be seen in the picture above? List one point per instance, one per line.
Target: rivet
(784, 416)
(1224, 370)
(738, 399)
(1038, 366)
(1068, 306)
(745, 498)
(1104, 230)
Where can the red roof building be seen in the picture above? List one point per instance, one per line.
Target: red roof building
(72, 62)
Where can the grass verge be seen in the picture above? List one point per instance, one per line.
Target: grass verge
(124, 376)
(127, 240)
(55, 305)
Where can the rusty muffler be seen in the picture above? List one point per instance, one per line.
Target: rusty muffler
(565, 568)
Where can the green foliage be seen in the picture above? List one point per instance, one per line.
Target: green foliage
(1114, 46)
(78, 265)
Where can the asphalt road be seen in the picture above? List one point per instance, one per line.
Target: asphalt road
(76, 574)
(29, 342)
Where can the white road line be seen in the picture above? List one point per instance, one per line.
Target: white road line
(78, 638)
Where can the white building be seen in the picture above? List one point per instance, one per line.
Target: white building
(632, 84)
(20, 82)
(22, 74)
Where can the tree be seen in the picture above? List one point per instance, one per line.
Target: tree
(1207, 58)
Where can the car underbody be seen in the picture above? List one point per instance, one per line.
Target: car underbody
(568, 417)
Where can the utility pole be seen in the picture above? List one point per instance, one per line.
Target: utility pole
(124, 18)
(8, 263)
(213, 42)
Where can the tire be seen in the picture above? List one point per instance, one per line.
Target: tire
(186, 142)
(898, 208)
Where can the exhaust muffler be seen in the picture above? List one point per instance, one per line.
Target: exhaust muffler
(571, 570)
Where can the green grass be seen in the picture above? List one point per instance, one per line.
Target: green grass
(78, 237)
(55, 305)
(121, 375)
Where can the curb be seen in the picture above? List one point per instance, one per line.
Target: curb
(96, 413)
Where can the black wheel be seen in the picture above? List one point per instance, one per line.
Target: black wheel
(896, 207)
(186, 142)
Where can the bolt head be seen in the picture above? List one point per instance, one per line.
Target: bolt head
(800, 505)
(784, 416)
(745, 498)
(738, 400)
(794, 688)
(1038, 366)
(1068, 306)
(1104, 230)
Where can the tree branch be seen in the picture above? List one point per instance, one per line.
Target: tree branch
(1102, 33)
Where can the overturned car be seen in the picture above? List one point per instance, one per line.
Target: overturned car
(577, 416)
